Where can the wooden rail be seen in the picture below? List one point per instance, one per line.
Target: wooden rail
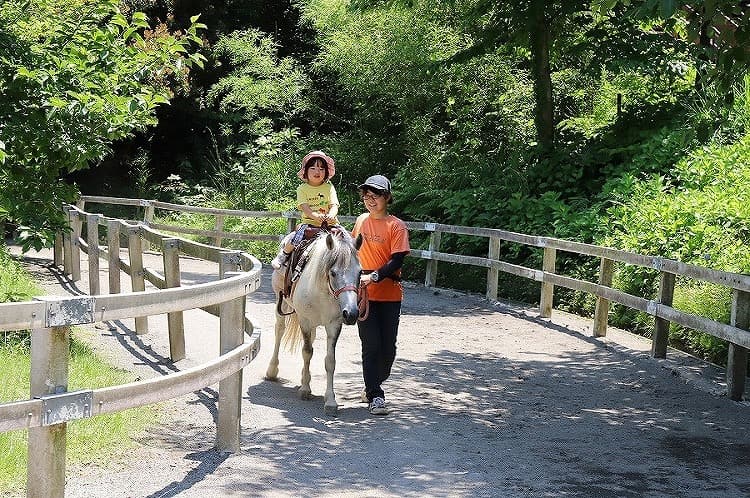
(51, 406)
(736, 332)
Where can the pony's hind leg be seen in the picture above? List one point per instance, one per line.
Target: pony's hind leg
(307, 351)
(272, 372)
(332, 336)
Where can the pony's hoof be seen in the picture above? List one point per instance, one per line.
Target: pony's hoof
(304, 393)
(271, 378)
(331, 410)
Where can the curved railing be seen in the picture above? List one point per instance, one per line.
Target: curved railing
(51, 406)
(735, 333)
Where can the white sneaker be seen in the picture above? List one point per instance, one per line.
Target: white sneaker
(377, 407)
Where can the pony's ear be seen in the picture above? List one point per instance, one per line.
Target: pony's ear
(358, 242)
(329, 241)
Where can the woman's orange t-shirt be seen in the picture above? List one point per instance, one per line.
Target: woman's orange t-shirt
(380, 239)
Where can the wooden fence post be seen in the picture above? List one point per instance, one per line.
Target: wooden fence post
(137, 275)
(67, 236)
(430, 276)
(548, 289)
(737, 357)
(92, 240)
(59, 249)
(75, 246)
(231, 324)
(291, 221)
(148, 218)
(46, 446)
(661, 326)
(148, 212)
(113, 261)
(175, 322)
(493, 273)
(218, 226)
(606, 271)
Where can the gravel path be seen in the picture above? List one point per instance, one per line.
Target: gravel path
(487, 400)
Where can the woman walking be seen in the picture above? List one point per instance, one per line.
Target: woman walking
(385, 244)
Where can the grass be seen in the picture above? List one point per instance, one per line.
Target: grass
(98, 439)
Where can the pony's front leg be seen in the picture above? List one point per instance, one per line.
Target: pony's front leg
(332, 336)
(272, 372)
(307, 351)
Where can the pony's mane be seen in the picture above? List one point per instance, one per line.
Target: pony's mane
(342, 253)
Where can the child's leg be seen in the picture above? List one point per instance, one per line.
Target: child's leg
(285, 249)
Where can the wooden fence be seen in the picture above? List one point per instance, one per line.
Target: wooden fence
(51, 406)
(736, 332)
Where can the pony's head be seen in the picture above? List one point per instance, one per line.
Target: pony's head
(338, 259)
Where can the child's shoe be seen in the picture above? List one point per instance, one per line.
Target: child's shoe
(280, 260)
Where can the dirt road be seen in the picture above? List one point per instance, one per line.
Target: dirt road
(487, 400)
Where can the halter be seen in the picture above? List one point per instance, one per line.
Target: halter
(362, 300)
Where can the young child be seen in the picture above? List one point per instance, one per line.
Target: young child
(316, 199)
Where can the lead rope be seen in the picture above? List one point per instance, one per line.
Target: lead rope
(363, 303)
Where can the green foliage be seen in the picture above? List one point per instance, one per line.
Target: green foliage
(715, 31)
(263, 250)
(702, 299)
(74, 76)
(99, 439)
(15, 285)
(262, 98)
(698, 214)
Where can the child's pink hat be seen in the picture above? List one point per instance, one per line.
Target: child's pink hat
(318, 153)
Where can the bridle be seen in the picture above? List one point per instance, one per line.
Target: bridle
(362, 300)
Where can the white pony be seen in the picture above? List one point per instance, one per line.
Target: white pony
(324, 294)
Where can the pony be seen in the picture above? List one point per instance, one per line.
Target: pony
(326, 294)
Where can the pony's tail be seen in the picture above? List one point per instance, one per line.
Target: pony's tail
(292, 338)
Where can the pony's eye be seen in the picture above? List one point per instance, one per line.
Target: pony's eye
(333, 273)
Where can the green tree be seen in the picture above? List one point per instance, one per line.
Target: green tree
(74, 77)
(717, 31)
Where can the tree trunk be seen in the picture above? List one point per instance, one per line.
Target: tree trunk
(539, 41)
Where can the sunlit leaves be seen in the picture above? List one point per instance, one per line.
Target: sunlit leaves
(75, 76)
